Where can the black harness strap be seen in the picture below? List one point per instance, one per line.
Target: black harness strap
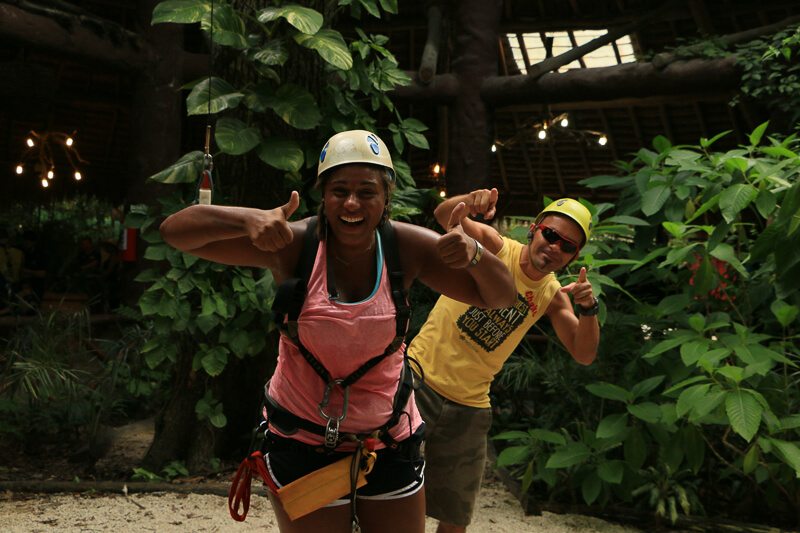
(287, 305)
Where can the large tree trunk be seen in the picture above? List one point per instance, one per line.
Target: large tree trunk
(176, 425)
(476, 29)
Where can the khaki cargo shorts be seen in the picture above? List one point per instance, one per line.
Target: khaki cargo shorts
(455, 455)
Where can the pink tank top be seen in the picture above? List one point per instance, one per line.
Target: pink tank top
(343, 336)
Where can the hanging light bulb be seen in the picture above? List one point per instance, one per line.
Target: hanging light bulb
(542, 134)
(29, 142)
(20, 169)
(603, 140)
(69, 141)
(442, 193)
(45, 183)
(494, 148)
(50, 174)
(436, 169)
(564, 122)
(78, 176)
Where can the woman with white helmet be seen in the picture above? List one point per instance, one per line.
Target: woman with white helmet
(347, 318)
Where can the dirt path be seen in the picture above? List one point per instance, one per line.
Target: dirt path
(499, 512)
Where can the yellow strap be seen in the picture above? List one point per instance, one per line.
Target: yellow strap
(319, 488)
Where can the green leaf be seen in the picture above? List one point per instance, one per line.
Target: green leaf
(744, 413)
(654, 198)
(330, 45)
(180, 11)
(612, 426)
(547, 436)
(647, 411)
(755, 137)
(283, 154)
(788, 452)
(677, 230)
(684, 383)
(670, 343)
(785, 313)
(590, 488)
(218, 420)
(185, 170)
(735, 198)
(305, 19)
(229, 28)
(295, 106)
(690, 398)
(608, 391)
(273, 52)
(661, 144)
(750, 461)
(611, 471)
(706, 143)
(390, 6)
(635, 449)
(766, 202)
(646, 386)
(234, 136)
(570, 455)
(734, 373)
(725, 252)
(213, 361)
(628, 220)
(514, 455)
(692, 351)
(673, 304)
(511, 435)
(222, 96)
(616, 182)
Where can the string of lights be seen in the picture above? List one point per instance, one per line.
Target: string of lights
(39, 155)
(542, 129)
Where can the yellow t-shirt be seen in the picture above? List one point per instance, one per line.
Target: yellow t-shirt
(461, 347)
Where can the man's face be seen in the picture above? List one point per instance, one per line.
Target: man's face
(549, 256)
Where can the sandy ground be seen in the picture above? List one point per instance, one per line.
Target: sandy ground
(498, 510)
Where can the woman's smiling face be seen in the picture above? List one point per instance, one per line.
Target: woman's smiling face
(355, 199)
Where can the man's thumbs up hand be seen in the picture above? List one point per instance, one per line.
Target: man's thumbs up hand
(456, 248)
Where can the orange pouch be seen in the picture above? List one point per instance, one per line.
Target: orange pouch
(319, 488)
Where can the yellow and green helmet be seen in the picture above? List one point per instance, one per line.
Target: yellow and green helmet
(572, 209)
(355, 146)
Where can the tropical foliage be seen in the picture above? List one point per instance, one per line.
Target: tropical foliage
(693, 405)
(209, 313)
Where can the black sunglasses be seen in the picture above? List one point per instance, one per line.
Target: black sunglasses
(552, 236)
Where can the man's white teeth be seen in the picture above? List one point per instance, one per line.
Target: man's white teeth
(352, 220)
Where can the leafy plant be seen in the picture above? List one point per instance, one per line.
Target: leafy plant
(278, 115)
(696, 399)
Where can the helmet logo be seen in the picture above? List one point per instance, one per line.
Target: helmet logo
(324, 152)
(373, 144)
(561, 202)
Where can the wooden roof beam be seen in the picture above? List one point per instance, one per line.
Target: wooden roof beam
(629, 80)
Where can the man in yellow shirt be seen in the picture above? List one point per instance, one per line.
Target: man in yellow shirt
(461, 347)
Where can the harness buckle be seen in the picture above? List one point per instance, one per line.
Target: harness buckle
(332, 426)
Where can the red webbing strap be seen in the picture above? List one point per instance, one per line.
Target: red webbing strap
(239, 493)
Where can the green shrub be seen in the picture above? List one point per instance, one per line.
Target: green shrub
(695, 405)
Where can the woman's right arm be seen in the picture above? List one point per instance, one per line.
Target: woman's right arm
(233, 235)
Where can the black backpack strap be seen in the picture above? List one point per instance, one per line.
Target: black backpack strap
(391, 253)
(291, 294)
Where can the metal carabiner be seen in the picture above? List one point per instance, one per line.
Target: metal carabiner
(332, 426)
